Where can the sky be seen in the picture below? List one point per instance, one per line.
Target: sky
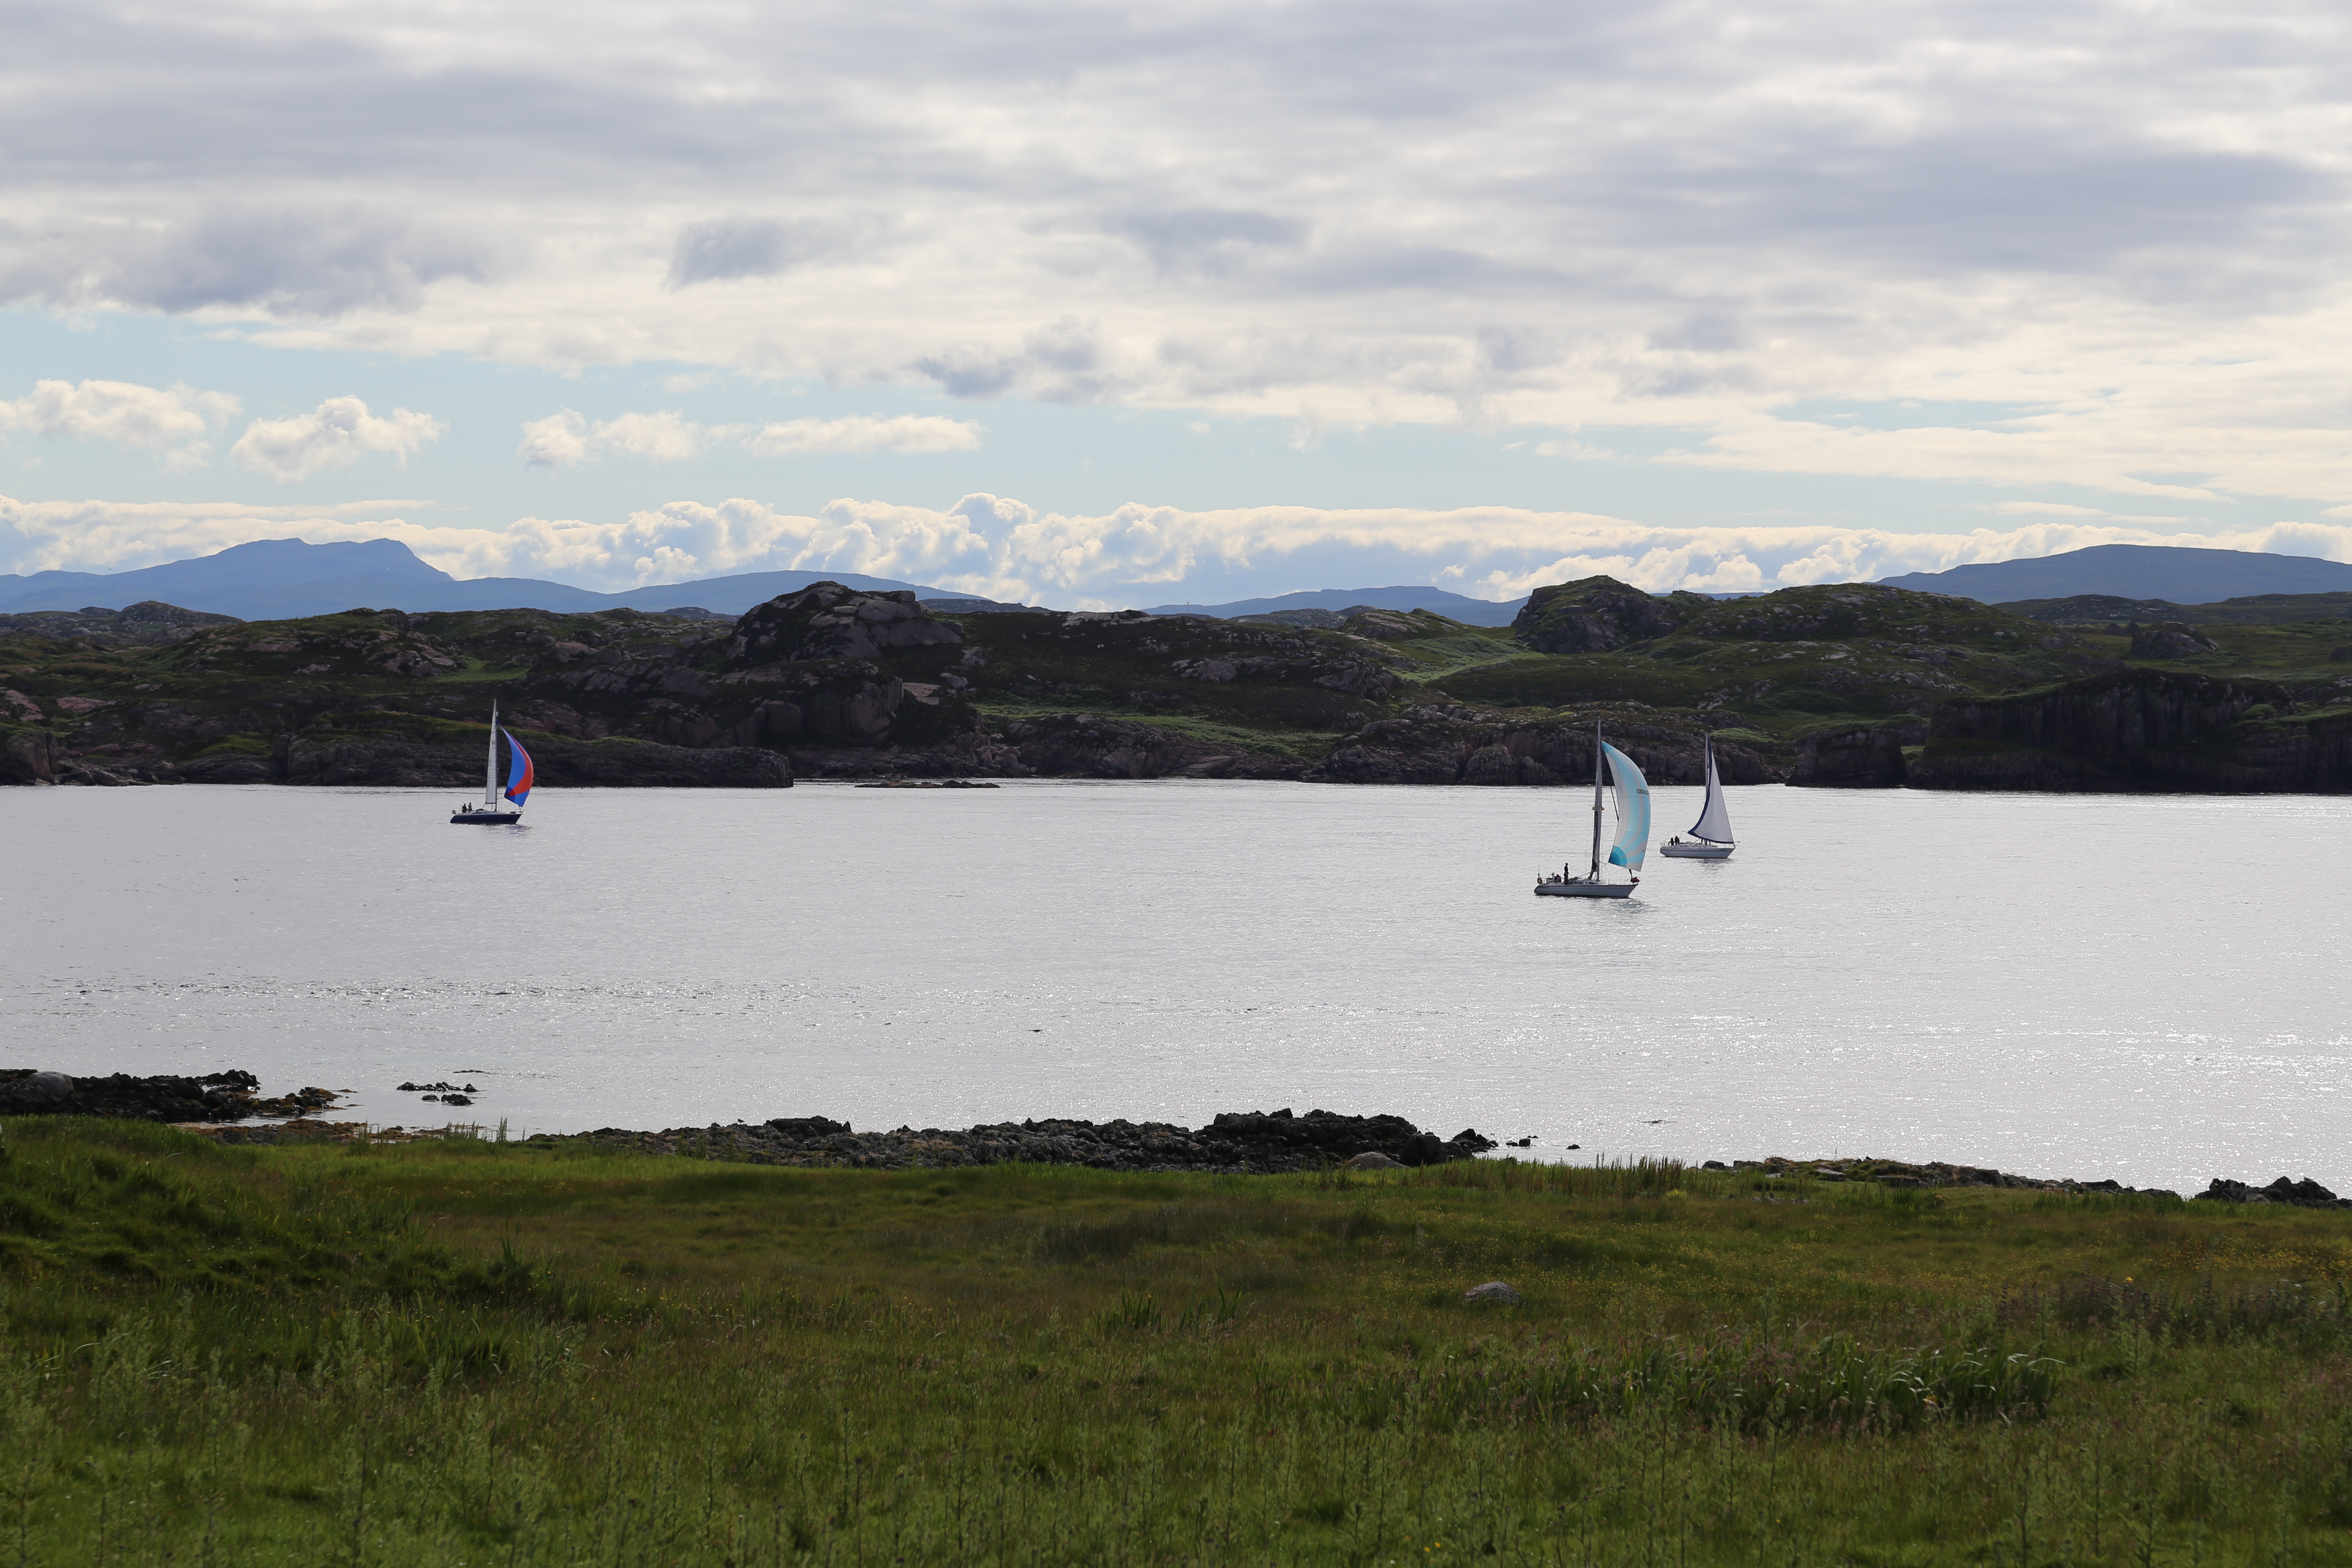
(1099, 305)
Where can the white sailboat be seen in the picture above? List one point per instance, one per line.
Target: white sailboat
(1710, 837)
(520, 776)
(1633, 793)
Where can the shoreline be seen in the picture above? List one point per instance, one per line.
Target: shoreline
(227, 1108)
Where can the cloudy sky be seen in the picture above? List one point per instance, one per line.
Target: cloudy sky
(1105, 305)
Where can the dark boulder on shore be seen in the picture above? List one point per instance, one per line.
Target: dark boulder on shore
(2306, 1193)
(1247, 1141)
(216, 1097)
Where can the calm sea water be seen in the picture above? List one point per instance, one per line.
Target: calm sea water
(2148, 989)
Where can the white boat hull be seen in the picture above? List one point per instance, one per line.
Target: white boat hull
(1585, 890)
(1697, 851)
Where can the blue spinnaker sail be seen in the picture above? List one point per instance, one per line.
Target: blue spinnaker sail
(1632, 810)
(520, 775)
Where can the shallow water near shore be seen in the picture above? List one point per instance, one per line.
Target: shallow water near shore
(2148, 989)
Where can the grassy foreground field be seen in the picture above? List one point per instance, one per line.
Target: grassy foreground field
(467, 1352)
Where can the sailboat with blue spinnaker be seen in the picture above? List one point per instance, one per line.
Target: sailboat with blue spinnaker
(520, 776)
(1633, 840)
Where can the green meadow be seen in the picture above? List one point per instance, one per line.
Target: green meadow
(464, 1351)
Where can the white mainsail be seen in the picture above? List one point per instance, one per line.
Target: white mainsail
(490, 762)
(1713, 823)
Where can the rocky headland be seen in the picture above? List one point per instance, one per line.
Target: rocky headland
(1846, 686)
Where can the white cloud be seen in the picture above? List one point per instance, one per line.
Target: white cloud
(336, 435)
(906, 433)
(563, 439)
(1001, 548)
(663, 437)
(178, 422)
(557, 441)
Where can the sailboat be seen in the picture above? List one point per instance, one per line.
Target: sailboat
(1710, 837)
(1633, 792)
(520, 776)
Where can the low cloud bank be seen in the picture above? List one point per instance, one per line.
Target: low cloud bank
(1003, 548)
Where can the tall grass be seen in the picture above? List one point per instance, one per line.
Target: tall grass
(522, 1357)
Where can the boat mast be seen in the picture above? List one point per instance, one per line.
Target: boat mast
(490, 762)
(1596, 800)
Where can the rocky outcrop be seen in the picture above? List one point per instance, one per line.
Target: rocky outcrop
(1868, 756)
(1593, 614)
(2169, 639)
(216, 1097)
(1426, 746)
(1082, 746)
(2306, 1193)
(825, 620)
(233, 768)
(1474, 746)
(2141, 730)
(1846, 611)
(1237, 1142)
(149, 622)
(1355, 677)
(356, 642)
(28, 757)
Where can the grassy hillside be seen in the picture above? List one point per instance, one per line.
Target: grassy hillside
(467, 1352)
(2252, 609)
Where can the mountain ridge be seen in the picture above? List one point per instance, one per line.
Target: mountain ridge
(289, 579)
(2180, 574)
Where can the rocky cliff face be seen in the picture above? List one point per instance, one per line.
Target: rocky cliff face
(28, 757)
(2141, 730)
(1472, 746)
(1867, 756)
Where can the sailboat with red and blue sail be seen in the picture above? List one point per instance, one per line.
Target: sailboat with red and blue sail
(521, 776)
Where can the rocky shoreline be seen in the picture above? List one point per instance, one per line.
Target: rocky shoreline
(1236, 1142)
(228, 1107)
(218, 1097)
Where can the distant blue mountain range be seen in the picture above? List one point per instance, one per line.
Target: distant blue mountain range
(281, 579)
(277, 579)
(2183, 575)
(1476, 611)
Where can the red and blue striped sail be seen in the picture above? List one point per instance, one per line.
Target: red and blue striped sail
(519, 776)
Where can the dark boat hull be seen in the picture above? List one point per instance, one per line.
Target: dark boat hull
(486, 818)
